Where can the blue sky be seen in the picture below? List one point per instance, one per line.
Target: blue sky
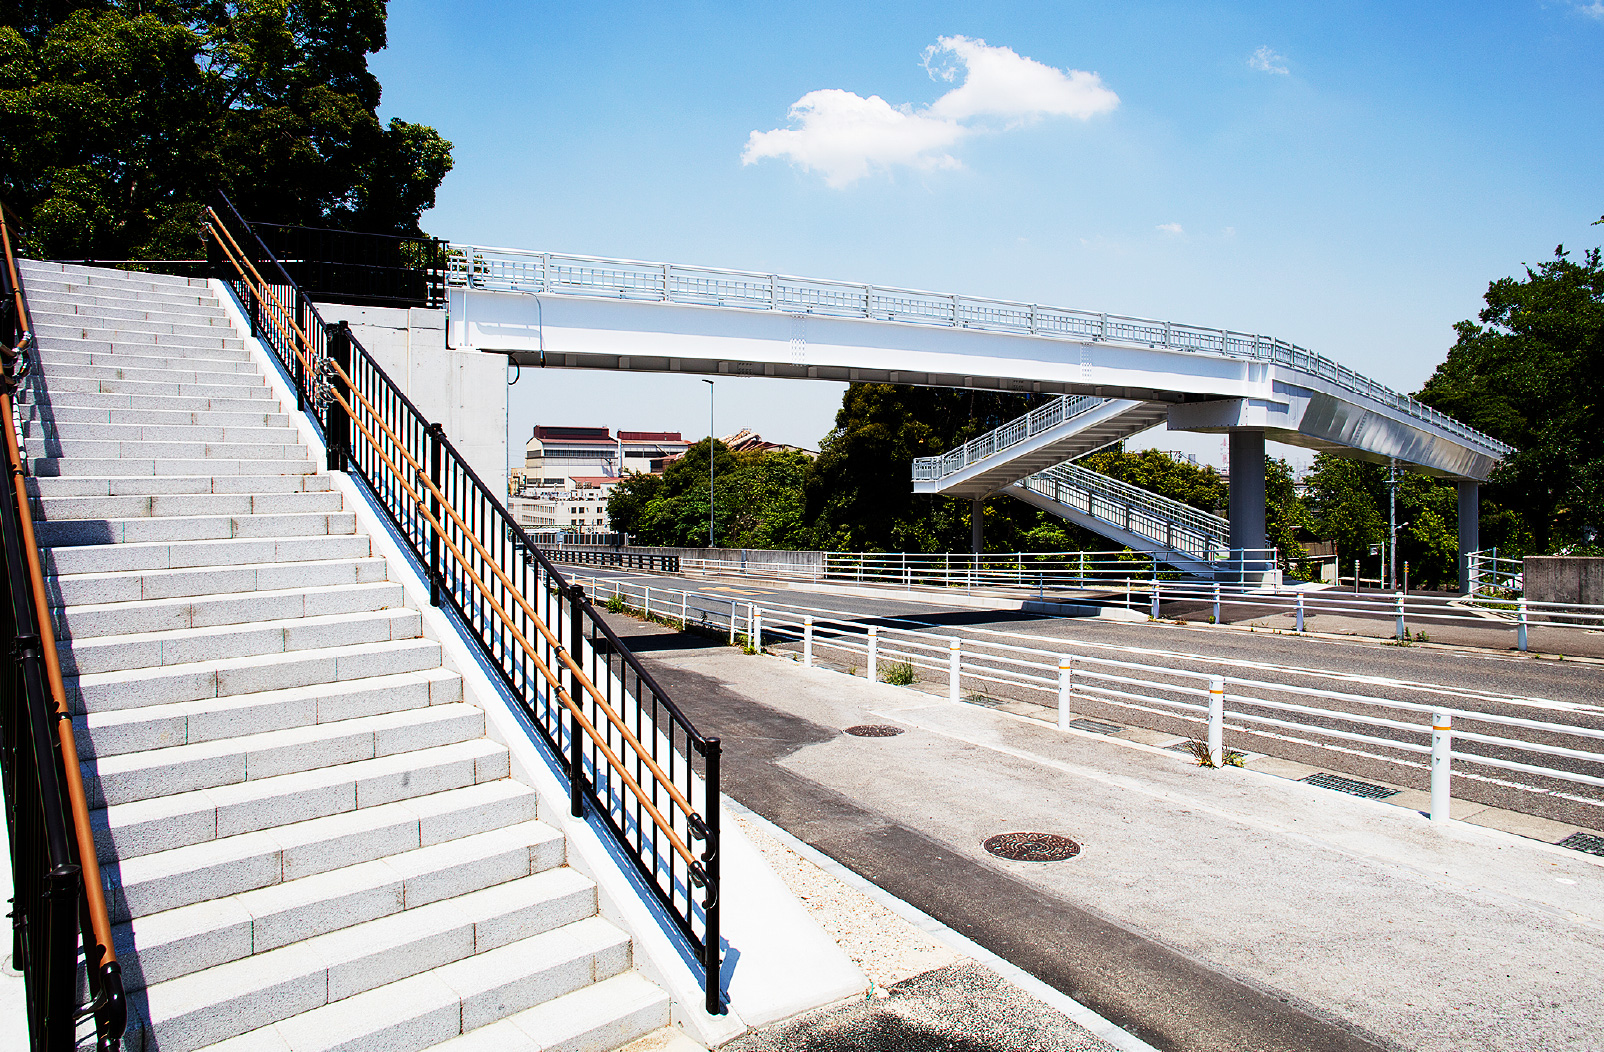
(1345, 176)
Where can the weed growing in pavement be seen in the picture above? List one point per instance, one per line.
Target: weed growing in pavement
(898, 674)
(615, 605)
(1421, 637)
(1211, 620)
(1200, 753)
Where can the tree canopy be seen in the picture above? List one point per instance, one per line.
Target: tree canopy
(118, 118)
(1529, 374)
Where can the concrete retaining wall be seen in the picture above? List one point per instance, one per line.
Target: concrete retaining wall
(1563, 579)
(464, 390)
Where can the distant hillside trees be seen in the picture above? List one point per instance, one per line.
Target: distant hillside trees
(118, 118)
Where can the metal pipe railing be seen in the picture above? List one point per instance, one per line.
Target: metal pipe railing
(60, 902)
(522, 270)
(628, 751)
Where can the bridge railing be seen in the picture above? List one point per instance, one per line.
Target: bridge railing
(1033, 423)
(520, 270)
(1169, 523)
(631, 757)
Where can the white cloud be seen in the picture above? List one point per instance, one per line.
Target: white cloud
(998, 82)
(1173, 229)
(1266, 61)
(1596, 9)
(844, 136)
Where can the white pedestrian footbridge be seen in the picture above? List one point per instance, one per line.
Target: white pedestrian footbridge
(568, 311)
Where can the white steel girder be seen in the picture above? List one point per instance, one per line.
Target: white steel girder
(577, 328)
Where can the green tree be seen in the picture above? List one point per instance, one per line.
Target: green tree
(1529, 374)
(757, 497)
(1158, 472)
(117, 120)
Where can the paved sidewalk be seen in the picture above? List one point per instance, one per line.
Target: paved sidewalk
(1207, 909)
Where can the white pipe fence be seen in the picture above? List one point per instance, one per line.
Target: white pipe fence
(1425, 736)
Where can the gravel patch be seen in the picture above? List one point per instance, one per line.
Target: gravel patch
(886, 947)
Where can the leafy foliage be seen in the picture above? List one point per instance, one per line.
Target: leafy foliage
(1529, 375)
(117, 119)
(757, 499)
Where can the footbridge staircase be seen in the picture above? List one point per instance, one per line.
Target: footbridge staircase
(308, 833)
(1030, 458)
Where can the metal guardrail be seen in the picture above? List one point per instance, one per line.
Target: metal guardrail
(1492, 573)
(625, 560)
(1171, 524)
(58, 906)
(630, 755)
(521, 270)
(1033, 423)
(1425, 737)
(364, 269)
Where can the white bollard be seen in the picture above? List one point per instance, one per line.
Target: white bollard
(1398, 613)
(1520, 630)
(757, 629)
(954, 666)
(648, 600)
(1066, 690)
(1442, 745)
(1300, 611)
(807, 640)
(874, 653)
(1154, 612)
(1217, 720)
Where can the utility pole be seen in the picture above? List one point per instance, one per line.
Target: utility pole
(709, 384)
(1392, 523)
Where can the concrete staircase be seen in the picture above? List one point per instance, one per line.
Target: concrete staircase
(311, 843)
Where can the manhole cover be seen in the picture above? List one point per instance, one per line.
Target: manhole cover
(1591, 843)
(874, 730)
(1032, 847)
(1348, 785)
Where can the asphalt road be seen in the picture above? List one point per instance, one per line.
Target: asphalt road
(1494, 682)
(1208, 910)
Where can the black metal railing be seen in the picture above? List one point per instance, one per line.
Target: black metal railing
(631, 756)
(58, 904)
(602, 557)
(346, 266)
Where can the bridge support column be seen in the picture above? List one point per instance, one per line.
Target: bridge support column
(1247, 507)
(1469, 529)
(977, 525)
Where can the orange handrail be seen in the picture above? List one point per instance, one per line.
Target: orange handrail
(299, 344)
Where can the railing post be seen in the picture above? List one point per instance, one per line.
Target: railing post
(874, 653)
(807, 640)
(337, 424)
(712, 950)
(1398, 615)
(955, 660)
(1520, 628)
(1216, 602)
(436, 432)
(576, 734)
(1300, 611)
(757, 629)
(1217, 720)
(1442, 746)
(1153, 613)
(1066, 690)
(732, 622)
(684, 610)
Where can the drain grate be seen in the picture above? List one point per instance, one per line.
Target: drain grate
(1368, 790)
(874, 730)
(1095, 727)
(1591, 843)
(1032, 847)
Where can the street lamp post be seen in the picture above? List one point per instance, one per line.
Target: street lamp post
(709, 384)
